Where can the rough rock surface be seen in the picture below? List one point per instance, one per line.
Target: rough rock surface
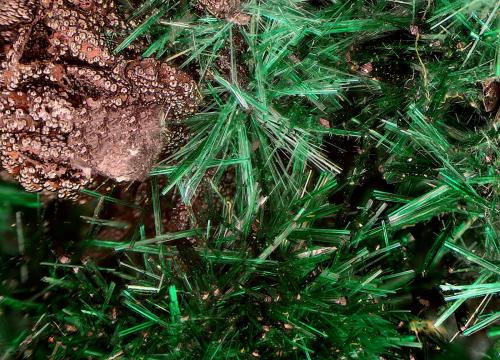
(70, 109)
(225, 9)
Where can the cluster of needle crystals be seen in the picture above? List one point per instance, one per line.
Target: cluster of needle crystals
(70, 109)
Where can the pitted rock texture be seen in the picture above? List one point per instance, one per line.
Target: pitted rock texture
(70, 108)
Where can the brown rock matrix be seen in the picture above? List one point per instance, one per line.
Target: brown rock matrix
(70, 108)
(225, 9)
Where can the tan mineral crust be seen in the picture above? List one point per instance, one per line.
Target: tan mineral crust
(70, 109)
